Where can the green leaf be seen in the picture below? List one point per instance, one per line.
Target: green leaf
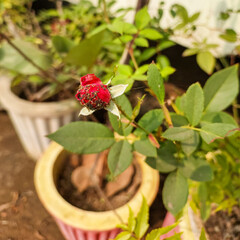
(141, 42)
(146, 54)
(86, 52)
(129, 28)
(119, 157)
(83, 137)
(181, 12)
(139, 77)
(224, 15)
(142, 219)
(124, 227)
(131, 220)
(150, 121)
(125, 38)
(163, 61)
(155, 82)
(230, 35)
(141, 70)
(97, 30)
(123, 236)
(124, 69)
(190, 145)
(175, 192)
(165, 72)
(116, 26)
(193, 104)
(218, 117)
(190, 52)
(179, 102)
(205, 206)
(197, 169)
(176, 236)
(118, 126)
(62, 44)
(178, 134)
(206, 61)
(213, 131)
(203, 235)
(194, 17)
(35, 79)
(178, 120)
(142, 18)
(157, 233)
(12, 60)
(164, 44)
(151, 34)
(145, 147)
(165, 161)
(123, 79)
(221, 89)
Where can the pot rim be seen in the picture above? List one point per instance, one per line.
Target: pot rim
(13, 103)
(76, 217)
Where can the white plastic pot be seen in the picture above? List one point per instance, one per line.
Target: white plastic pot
(33, 121)
(209, 25)
(78, 224)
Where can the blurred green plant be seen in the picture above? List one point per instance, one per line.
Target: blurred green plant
(172, 142)
(60, 44)
(138, 227)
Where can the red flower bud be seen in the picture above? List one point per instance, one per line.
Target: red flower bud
(89, 79)
(92, 93)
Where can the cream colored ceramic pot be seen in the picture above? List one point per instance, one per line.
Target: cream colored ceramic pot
(76, 223)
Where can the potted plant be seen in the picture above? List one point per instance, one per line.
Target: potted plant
(39, 72)
(178, 150)
(173, 143)
(91, 137)
(188, 27)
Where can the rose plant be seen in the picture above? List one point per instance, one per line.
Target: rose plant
(172, 142)
(178, 137)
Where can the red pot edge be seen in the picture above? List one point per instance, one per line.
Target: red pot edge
(169, 220)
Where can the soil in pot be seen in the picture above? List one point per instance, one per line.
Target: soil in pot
(224, 226)
(42, 93)
(87, 195)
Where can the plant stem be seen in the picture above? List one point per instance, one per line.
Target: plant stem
(44, 73)
(176, 110)
(105, 11)
(235, 110)
(101, 192)
(130, 50)
(131, 120)
(167, 115)
(141, 4)
(224, 62)
(232, 60)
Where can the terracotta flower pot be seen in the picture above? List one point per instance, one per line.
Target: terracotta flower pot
(190, 225)
(33, 121)
(78, 224)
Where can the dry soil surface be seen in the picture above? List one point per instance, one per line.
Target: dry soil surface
(22, 216)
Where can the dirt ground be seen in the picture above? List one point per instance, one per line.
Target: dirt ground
(22, 216)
